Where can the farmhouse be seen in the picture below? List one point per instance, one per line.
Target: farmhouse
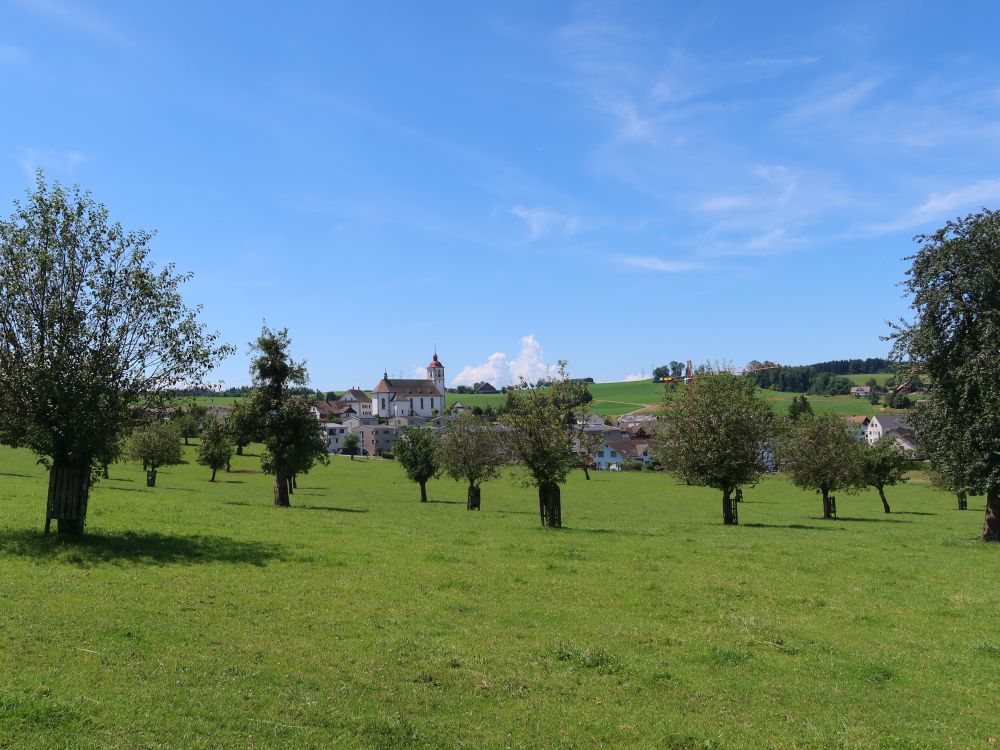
(861, 391)
(858, 425)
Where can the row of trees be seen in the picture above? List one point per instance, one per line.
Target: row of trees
(536, 432)
(718, 433)
(94, 338)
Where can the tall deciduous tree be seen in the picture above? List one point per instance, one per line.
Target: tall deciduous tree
(289, 440)
(953, 340)
(91, 335)
(215, 450)
(470, 450)
(539, 431)
(883, 464)
(415, 451)
(822, 454)
(155, 445)
(716, 433)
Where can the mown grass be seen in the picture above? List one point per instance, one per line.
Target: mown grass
(195, 615)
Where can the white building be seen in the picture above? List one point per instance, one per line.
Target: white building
(409, 398)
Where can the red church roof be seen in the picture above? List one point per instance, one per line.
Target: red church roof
(435, 363)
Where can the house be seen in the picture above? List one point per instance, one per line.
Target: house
(459, 408)
(410, 397)
(324, 411)
(906, 441)
(485, 388)
(861, 391)
(376, 439)
(335, 434)
(360, 400)
(858, 425)
(613, 453)
(883, 424)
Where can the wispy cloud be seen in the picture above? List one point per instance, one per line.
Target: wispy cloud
(61, 162)
(942, 206)
(633, 378)
(541, 221)
(838, 102)
(652, 263)
(81, 19)
(500, 370)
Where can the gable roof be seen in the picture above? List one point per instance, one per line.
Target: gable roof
(406, 388)
(891, 422)
(353, 394)
(857, 420)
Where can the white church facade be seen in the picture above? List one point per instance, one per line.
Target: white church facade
(410, 398)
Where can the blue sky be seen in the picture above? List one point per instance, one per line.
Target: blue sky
(617, 185)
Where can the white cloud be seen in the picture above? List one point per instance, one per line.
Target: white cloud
(499, 370)
(64, 162)
(658, 264)
(541, 221)
(836, 103)
(634, 377)
(940, 206)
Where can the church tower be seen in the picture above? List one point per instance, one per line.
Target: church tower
(435, 372)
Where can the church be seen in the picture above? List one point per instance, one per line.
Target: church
(410, 398)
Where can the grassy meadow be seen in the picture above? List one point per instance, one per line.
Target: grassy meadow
(195, 615)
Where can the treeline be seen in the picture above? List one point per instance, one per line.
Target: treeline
(802, 380)
(872, 365)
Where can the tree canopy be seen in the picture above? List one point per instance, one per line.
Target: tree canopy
(822, 454)
(155, 445)
(215, 450)
(883, 464)
(716, 433)
(93, 335)
(954, 340)
(539, 425)
(292, 437)
(415, 451)
(469, 449)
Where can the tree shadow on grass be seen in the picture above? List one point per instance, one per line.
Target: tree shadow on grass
(610, 532)
(448, 502)
(13, 474)
(330, 508)
(854, 519)
(912, 513)
(148, 548)
(791, 526)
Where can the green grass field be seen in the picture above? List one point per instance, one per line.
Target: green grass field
(195, 615)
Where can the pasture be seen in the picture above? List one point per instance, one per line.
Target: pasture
(195, 615)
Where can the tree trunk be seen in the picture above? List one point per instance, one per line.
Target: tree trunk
(104, 472)
(213, 476)
(474, 498)
(739, 494)
(352, 455)
(586, 472)
(729, 517)
(550, 505)
(290, 485)
(151, 478)
(963, 501)
(69, 490)
(991, 524)
(281, 488)
(827, 507)
(423, 492)
(239, 450)
(295, 484)
(885, 503)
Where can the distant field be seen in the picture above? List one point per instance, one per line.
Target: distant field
(880, 378)
(196, 615)
(615, 399)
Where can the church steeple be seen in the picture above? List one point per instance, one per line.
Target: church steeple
(435, 372)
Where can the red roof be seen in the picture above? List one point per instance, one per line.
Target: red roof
(435, 363)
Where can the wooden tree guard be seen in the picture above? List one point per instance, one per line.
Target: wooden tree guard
(833, 506)
(963, 501)
(734, 511)
(69, 490)
(474, 499)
